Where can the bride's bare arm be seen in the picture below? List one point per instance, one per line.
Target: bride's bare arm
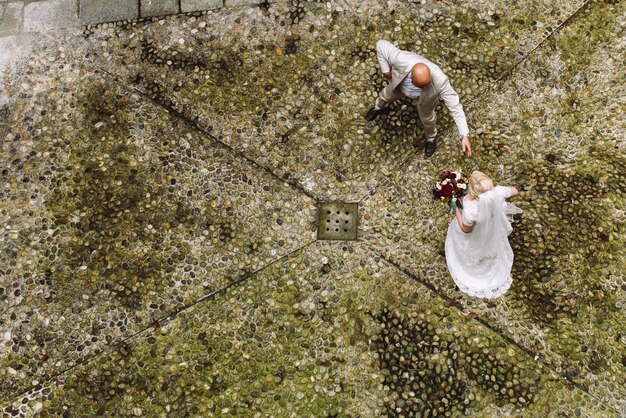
(514, 191)
(459, 218)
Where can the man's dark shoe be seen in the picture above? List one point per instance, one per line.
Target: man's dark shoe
(371, 114)
(430, 148)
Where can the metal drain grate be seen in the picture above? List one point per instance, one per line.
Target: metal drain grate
(337, 221)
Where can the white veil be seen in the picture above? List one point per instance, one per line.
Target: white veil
(493, 224)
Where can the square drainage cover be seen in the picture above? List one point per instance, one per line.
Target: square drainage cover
(337, 221)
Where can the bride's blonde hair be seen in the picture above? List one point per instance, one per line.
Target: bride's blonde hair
(479, 183)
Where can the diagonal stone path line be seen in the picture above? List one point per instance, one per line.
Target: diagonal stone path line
(504, 76)
(484, 323)
(164, 319)
(291, 182)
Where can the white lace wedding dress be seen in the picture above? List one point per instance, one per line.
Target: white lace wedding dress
(480, 261)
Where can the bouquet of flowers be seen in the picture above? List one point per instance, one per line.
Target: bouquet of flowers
(451, 188)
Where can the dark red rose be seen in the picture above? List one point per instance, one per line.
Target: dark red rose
(447, 190)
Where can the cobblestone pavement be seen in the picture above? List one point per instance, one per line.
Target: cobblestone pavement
(160, 189)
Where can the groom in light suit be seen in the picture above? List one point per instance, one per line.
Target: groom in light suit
(416, 78)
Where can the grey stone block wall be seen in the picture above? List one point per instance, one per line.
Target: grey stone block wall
(236, 3)
(98, 11)
(199, 5)
(13, 18)
(46, 15)
(158, 7)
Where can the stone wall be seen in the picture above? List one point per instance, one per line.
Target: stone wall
(98, 11)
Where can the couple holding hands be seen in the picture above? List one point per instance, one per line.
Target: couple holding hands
(478, 252)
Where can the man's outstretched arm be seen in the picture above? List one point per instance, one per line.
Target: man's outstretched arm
(453, 103)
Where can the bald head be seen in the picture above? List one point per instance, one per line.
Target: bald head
(420, 75)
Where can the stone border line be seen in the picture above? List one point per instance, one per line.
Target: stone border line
(506, 74)
(288, 179)
(496, 330)
(158, 322)
(91, 12)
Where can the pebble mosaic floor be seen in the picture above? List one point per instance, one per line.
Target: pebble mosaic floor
(160, 189)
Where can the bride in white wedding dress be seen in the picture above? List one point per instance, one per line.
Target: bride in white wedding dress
(478, 252)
